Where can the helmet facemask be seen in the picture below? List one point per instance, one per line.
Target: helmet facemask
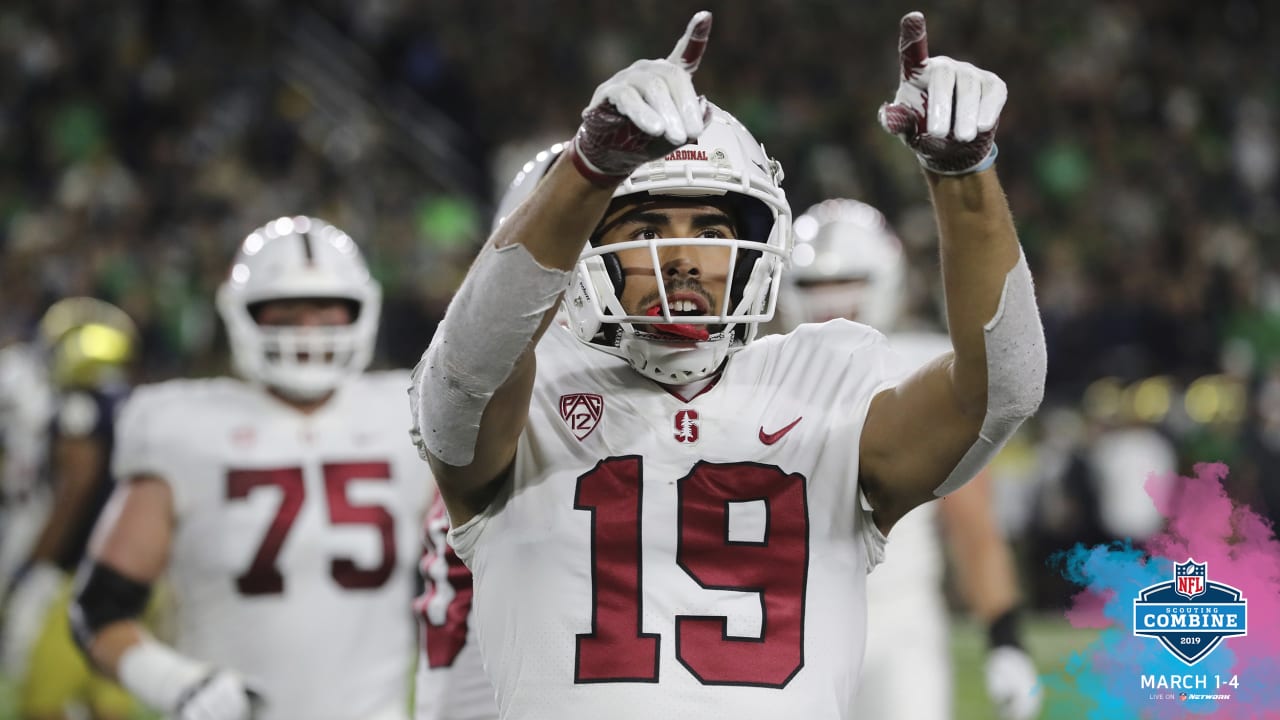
(726, 169)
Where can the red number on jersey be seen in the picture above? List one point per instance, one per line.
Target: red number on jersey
(445, 603)
(775, 566)
(341, 512)
(263, 576)
(615, 650)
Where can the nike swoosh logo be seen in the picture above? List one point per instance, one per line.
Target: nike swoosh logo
(773, 437)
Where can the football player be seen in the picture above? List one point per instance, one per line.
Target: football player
(90, 344)
(848, 263)
(449, 683)
(664, 516)
(26, 408)
(285, 506)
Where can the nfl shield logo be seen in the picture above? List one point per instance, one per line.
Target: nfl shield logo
(1189, 578)
(686, 426)
(1190, 615)
(581, 412)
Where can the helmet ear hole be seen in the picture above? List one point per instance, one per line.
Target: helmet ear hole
(742, 270)
(613, 267)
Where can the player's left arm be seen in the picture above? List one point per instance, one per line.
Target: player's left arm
(988, 585)
(77, 457)
(78, 460)
(978, 550)
(935, 430)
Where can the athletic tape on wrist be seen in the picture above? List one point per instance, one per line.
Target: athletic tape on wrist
(488, 325)
(158, 675)
(1016, 365)
(1005, 630)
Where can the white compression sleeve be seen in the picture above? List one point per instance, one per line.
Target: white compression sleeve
(1016, 365)
(488, 325)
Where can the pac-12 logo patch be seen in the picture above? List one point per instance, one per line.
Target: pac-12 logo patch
(686, 426)
(1190, 615)
(581, 412)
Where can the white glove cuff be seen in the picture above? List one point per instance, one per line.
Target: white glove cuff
(986, 162)
(158, 675)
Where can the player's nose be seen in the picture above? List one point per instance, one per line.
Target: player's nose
(681, 265)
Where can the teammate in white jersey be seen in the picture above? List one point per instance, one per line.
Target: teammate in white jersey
(664, 516)
(848, 263)
(450, 683)
(286, 507)
(26, 409)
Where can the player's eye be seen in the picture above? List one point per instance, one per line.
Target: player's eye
(712, 233)
(645, 233)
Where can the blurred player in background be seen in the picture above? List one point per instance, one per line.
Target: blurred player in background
(636, 553)
(285, 507)
(848, 263)
(26, 408)
(450, 683)
(90, 346)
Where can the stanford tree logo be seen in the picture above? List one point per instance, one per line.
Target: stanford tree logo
(686, 426)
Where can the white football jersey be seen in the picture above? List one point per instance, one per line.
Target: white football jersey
(296, 536)
(911, 574)
(26, 411)
(907, 631)
(656, 558)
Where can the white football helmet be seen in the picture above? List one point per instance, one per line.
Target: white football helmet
(725, 162)
(525, 181)
(299, 257)
(847, 262)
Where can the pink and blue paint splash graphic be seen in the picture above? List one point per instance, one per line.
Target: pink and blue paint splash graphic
(1241, 550)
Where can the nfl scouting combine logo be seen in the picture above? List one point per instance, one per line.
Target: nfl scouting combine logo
(581, 412)
(1189, 615)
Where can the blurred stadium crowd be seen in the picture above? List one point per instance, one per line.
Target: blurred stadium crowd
(141, 140)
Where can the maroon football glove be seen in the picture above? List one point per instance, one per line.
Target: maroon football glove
(644, 111)
(945, 110)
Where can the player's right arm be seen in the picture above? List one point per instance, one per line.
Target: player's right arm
(128, 551)
(472, 389)
(559, 209)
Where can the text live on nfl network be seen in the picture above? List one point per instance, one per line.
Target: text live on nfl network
(736, 361)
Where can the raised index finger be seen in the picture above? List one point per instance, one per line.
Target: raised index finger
(913, 44)
(688, 51)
